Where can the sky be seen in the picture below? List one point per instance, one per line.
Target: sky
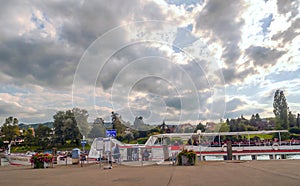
(176, 60)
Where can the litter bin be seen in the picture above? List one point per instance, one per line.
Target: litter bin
(75, 156)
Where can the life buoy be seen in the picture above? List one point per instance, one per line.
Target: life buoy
(275, 146)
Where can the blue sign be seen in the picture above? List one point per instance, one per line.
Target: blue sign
(83, 142)
(111, 133)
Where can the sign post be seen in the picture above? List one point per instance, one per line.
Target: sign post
(111, 133)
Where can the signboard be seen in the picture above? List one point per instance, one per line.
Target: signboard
(83, 142)
(111, 133)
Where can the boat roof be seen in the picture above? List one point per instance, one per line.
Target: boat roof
(218, 133)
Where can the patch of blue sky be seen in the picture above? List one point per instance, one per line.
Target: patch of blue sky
(249, 90)
(185, 2)
(10, 89)
(184, 38)
(283, 75)
(39, 23)
(188, 4)
(293, 98)
(266, 22)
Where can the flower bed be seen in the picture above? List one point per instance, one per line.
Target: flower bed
(39, 159)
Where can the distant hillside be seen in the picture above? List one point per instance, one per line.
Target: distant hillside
(35, 125)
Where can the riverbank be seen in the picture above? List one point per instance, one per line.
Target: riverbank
(279, 172)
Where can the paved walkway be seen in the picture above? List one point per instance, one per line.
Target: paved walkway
(280, 172)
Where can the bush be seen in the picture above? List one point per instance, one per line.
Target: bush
(295, 130)
(142, 140)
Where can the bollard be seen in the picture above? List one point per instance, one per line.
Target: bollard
(229, 150)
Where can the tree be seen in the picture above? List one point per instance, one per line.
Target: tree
(81, 117)
(42, 135)
(298, 120)
(200, 126)
(280, 109)
(59, 122)
(117, 124)
(257, 117)
(28, 137)
(98, 129)
(10, 130)
(252, 120)
(291, 119)
(66, 128)
(128, 137)
(224, 127)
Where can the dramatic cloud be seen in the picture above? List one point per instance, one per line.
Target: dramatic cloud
(174, 60)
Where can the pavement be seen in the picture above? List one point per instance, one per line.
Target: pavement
(254, 173)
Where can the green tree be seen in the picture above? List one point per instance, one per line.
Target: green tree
(65, 128)
(29, 138)
(59, 122)
(200, 126)
(257, 117)
(280, 109)
(253, 120)
(298, 120)
(128, 137)
(98, 129)
(117, 124)
(81, 117)
(72, 132)
(10, 130)
(42, 136)
(291, 119)
(224, 127)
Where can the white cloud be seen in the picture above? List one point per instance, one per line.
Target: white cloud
(239, 45)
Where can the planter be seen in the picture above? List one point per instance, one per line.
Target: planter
(186, 161)
(39, 165)
(186, 158)
(41, 160)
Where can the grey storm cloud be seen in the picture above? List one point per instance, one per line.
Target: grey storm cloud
(42, 63)
(288, 35)
(42, 44)
(221, 20)
(285, 7)
(52, 61)
(234, 104)
(263, 56)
